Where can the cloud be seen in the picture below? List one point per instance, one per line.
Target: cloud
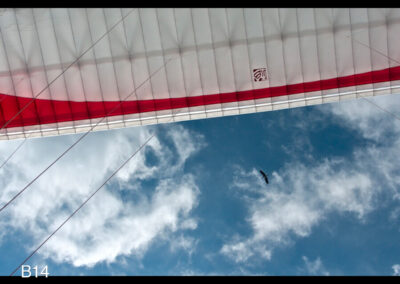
(145, 201)
(363, 116)
(300, 196)
(297, 199)
(241, 251)
(315, 267)
(396, 270)
(187, 244)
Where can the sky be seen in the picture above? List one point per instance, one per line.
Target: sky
(192, 202)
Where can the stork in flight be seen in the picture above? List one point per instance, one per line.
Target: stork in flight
(264, 176)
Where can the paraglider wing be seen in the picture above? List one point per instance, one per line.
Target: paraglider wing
(79, 66)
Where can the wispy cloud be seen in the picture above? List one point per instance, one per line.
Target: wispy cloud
(125, 217)
(396, 270)
(185, 243)
(297, 199)
(314, 267)
(300, 196)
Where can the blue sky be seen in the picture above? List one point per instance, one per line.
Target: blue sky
(193, 203)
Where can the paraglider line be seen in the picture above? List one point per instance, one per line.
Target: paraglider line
(75, 61)
(12, 154)
(83, 204)
(381, 108)
(83, 136)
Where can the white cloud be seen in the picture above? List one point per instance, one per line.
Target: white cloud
(187, 244)
(315, 267)
(379, 126)
(369, 120)
(239, 251)
(299, 197)
(396, 270)
(124, 218)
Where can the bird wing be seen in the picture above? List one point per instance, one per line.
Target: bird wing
(265, 176)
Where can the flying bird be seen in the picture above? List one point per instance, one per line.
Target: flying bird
(264, 176)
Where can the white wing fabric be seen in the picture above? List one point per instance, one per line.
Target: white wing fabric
(211, 62)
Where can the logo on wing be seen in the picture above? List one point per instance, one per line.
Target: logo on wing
(260, 74)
